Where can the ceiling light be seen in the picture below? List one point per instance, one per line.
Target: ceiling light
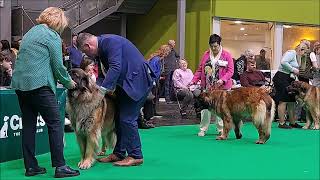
(237, 22)
(242, 29)
(246, 34)
(287, 26)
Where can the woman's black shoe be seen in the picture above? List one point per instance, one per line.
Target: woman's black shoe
(65, 171)
(35, 171)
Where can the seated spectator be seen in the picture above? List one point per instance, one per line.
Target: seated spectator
(7, 50)
(240, 64)
(15, 46)
(88, 66)
(253, 77)
(182, 77)
(262, 62)
(5, 70)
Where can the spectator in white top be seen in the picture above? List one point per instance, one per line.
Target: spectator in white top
(315, 59)
(182, 77)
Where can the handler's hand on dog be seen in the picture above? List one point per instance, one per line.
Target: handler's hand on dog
(296, 71)
(72, 85)
(219, 83)
(105, 91)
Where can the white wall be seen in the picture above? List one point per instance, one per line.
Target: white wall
(236, 48)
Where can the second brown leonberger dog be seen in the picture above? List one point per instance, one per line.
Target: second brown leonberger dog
(238, 104)
(309, 97)
(92, 117)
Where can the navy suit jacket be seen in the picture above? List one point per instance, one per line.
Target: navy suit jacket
(125, 66)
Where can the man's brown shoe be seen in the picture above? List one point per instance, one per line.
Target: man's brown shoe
(110, 158)
(129, 161)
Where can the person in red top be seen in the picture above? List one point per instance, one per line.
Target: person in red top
(252, 77)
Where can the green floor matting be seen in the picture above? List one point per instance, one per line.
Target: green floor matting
(176, 152)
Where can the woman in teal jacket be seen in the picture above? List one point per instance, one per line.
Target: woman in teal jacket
(38, 68)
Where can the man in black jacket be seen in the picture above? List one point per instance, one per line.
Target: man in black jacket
(170, 63)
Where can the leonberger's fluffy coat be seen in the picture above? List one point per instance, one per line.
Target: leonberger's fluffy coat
(235, 105)
(92, 117)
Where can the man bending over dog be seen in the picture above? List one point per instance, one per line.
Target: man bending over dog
(128, 77)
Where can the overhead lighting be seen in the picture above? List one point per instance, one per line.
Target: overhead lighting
(237, 22)
(287, 26)
(246, 34)
(242, 29)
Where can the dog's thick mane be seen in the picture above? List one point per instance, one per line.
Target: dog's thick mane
(83, 105)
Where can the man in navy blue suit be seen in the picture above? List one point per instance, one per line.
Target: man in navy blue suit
(128, 76)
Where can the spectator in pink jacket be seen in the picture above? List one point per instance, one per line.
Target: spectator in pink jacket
(215, 71)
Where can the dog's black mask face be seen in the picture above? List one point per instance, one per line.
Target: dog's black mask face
(81, 78)
(200, 101)
(295, 88)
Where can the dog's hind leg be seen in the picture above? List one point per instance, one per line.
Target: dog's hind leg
(237, 131)
(316, 117)
(111, 139)
(308, 119)
(103, 150)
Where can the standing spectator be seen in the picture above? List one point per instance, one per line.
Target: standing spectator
(240, 64)
(128, 76)
(262, 62)
(169, 65)
(315, 59)
(306, 64)
(287, 72)
(182, 77)
(39, 67)
(5, 70)
(149, 107)
(74, 54)
(215, 71)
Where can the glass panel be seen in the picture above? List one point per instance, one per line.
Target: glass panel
(237, 36)
(292, 35)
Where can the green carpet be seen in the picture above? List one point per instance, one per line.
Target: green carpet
(176, 152)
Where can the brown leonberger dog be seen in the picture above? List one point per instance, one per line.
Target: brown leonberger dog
(92, 118)
(238, 104)
(309, 97)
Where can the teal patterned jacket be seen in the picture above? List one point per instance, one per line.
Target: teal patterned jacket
(39, 62)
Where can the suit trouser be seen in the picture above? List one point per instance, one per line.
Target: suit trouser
(128, 139)
(43, 101)
(206, 119)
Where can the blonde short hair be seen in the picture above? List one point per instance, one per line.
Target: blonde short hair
(54, 18)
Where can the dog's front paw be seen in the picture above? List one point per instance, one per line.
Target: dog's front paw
(221, 138)
(85, 164)
(306, 127)
(316, 127)
(260, 142)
